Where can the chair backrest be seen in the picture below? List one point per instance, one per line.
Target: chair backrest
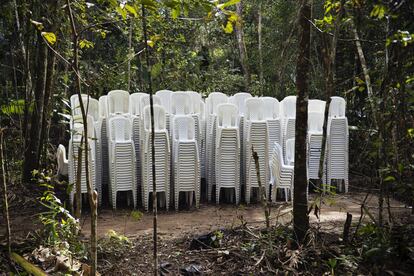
(134, 103)
(159, 118)
(78, 127)
(254, 109)
(165, 97)
(227, 115)
(119, 129)
(290, 151)
(181, 103)
(118, 102)
(61, 160)
(316, 106)
(75, 104)
(202, 110)
(145, 100)
(239, 100)
(271, 108)
(289, 107)
(195, 101)
(103, 107)
(315, 121)
(213, 100)
(184, 127)
(337, 107)
(93, 109)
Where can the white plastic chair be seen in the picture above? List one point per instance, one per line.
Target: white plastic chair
(288, 111)
(162, 156)
(316, 106)
(212, 101)
(282, 174)
(256, 138)
(118, 102)
(122, 159)
(73, 155)
(272, 116)
(185, 158)
(165, 97)
(227, 150)
(62, 161)
(314, 143)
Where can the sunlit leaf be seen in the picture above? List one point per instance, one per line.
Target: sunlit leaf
(131, 10)
(50, 37)
(228, 28)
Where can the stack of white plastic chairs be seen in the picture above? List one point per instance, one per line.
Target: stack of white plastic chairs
(212, 101)
(102, 136)
(227, 150)
(77, 133)
(316, 114)
(272, 116)
(165, 98)
(256, 138)
(121, 147)
(162, 156)
(336, 162)
(136, 121)
(185, 153)
(239, 99)
(282, 172)
(288, 105)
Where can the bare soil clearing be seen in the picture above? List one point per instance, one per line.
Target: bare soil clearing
(211, 217)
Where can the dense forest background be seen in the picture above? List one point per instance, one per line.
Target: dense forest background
(361, 50)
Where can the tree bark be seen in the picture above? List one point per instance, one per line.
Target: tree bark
(259, 33)
(154, 185)
(300, 200)
(92, 194)
(27, 75)
(329, 59)
(31, 160)
(242, 46)
(5, 199)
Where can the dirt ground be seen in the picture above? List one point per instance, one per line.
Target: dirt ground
(211, 217)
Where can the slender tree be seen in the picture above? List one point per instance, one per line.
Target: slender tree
(154, 182)
(300, 199)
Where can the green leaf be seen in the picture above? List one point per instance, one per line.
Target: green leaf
(131, 10)
(85, 44)
(50, 37)
(227, 4)
(175, 12)
(122, 12)
(156, 70)
(389, 178)
(228, 29)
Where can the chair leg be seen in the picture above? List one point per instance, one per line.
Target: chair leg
(177, 193)
(218, 194)
(134, 198)
(197, 196)
(167, 200)
(114, 200)
(247, 195)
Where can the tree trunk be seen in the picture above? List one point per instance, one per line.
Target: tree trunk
(92, 194)
(27, 75)
(300, 199)
(242, 45)
(31, 160)
(5, 199)
(154, 186)
(329, 58)
(259, 33)
(47, 105)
